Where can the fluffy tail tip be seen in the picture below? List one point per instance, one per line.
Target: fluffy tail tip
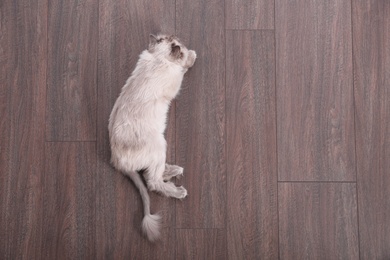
(151, 227)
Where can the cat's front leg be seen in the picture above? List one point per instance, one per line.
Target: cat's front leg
(190, 59)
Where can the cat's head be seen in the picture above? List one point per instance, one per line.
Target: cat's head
(170, 47)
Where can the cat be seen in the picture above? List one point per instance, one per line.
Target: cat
(138, 120)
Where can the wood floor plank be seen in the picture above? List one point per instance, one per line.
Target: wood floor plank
(314, 91)
(200, 116)
(6, 56)
(124, 29)
(371, 32)
(23, 55)
(69, 201)
(251, 145)
(72, 70)
(253, 14)
(201, 244)
(318, 221)
(6, 46)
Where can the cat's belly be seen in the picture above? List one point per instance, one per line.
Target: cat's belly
(159, 115)
(139, 141)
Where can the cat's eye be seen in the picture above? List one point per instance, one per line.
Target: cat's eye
(159, 40)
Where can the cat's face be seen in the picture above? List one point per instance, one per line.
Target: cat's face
(170, 47)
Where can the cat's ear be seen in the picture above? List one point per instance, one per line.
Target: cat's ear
(176, 51)
(152, 39)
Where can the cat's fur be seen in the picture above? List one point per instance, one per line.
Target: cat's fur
(138, 120)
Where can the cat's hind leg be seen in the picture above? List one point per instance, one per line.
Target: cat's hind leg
(172, 171)
(155, 181)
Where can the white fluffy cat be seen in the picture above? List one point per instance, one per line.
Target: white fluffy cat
(138, 120)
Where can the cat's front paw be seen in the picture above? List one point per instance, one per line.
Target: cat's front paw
(193, 55)
(191, 58)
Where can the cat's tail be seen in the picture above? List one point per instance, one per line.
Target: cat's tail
(151, 223)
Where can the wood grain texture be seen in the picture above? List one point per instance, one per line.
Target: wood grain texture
(72, 68)
(69, 201)
(201, 244)
(63, 199)
(251, 145)
(200, 116)
(6, 42)
(314, 91)
(250, 14)
(6, 46)
(5, 123)
(371, 32)
(318, 221)
(23, 45)
(124, 28)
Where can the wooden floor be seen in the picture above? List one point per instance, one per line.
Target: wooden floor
(282, 126)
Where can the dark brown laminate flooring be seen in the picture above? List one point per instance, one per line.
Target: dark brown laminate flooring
(251, 141)
(282, 127)
(371, 37)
